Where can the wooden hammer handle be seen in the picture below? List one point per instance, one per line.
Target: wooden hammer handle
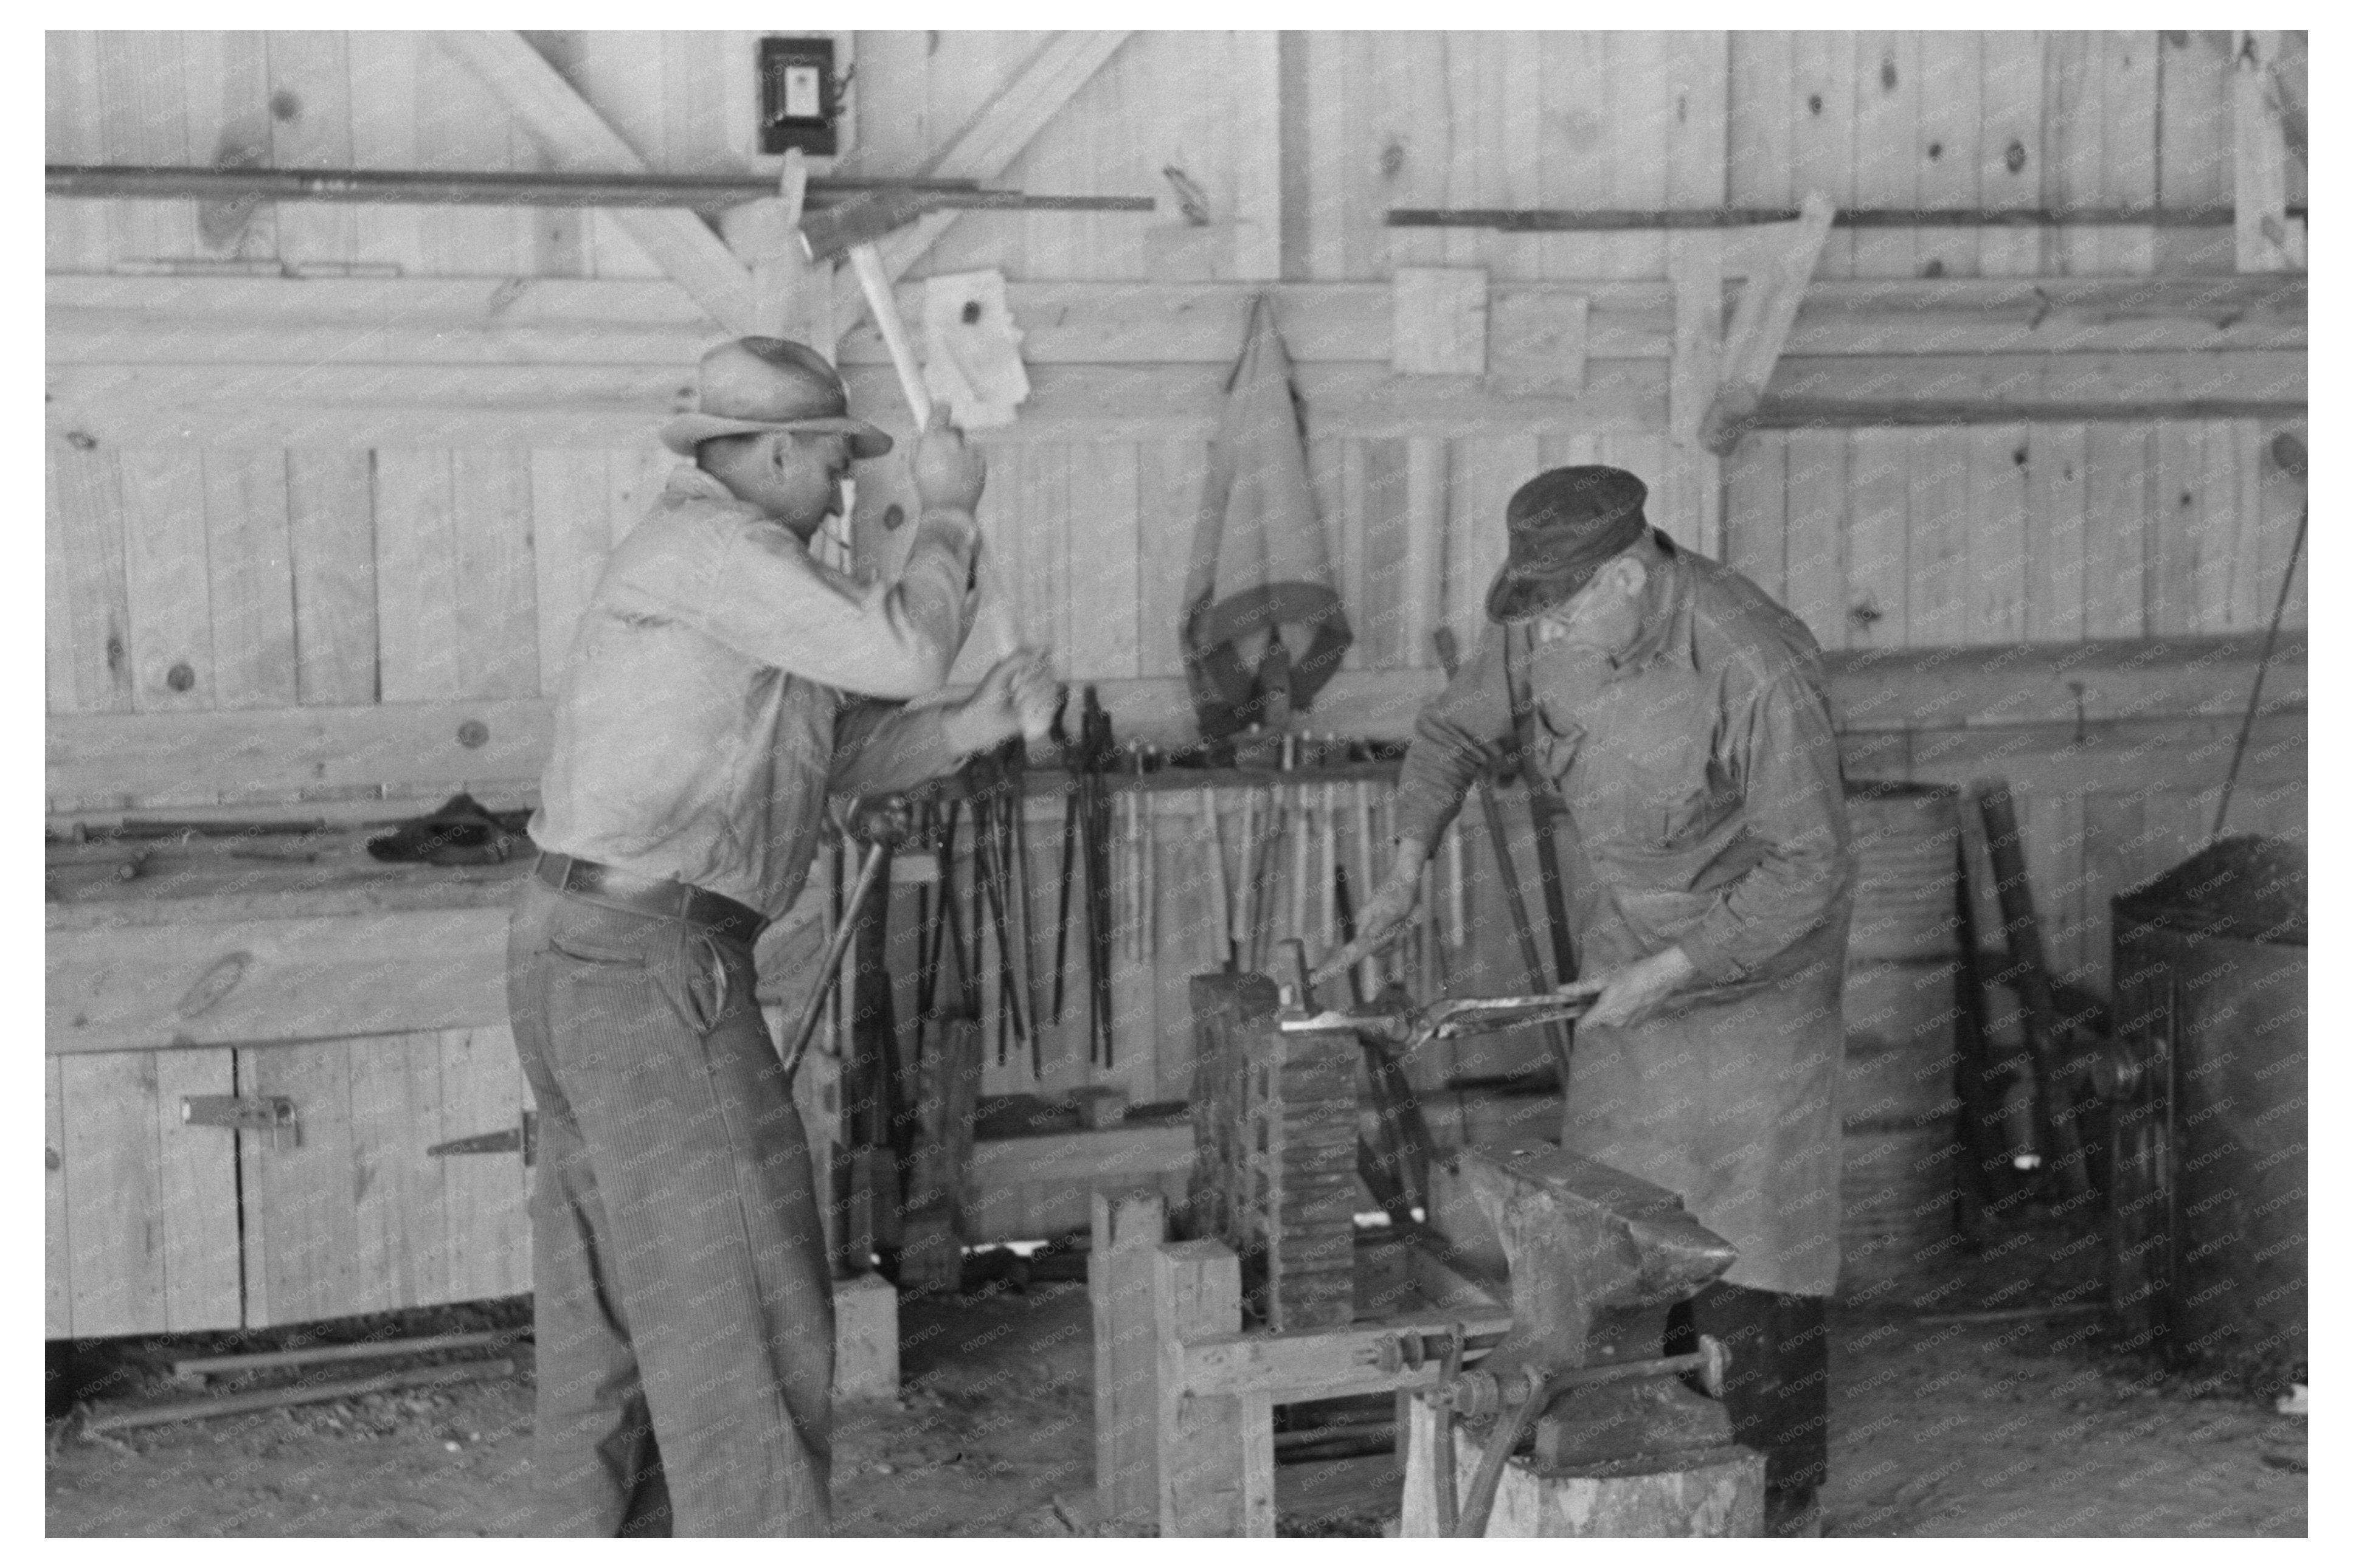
(996, 607)
(867, 262)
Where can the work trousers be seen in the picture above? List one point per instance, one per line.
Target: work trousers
(1778, 1391)
(682, 1308)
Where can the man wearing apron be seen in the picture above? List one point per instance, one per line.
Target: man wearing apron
(1681, 715)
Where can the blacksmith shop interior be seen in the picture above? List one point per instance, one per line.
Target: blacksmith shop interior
(1175, 783)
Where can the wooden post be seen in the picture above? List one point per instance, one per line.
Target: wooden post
(1127, 1227)
(1216, 1451)
(1694, 491)
(865, 1338)
(1712, 1493)
(931, 1243)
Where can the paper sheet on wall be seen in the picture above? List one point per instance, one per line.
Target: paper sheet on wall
(971, 350)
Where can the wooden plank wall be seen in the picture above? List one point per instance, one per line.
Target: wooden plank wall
(199, 579)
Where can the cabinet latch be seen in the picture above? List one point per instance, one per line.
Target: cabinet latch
(271, 1113)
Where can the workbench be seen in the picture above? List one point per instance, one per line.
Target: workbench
(372, 996)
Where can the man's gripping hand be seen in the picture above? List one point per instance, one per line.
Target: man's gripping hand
(1383, 918)
(948, 471)
(1632, 993)
(1016, 696)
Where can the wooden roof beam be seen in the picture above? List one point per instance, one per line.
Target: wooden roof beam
(579, 137)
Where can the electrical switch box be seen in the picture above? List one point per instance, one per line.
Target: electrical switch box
(800, 96)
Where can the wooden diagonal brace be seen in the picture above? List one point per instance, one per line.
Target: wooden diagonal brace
(988, 145)
(1760, 326)
(2259, 154)
(576, 137)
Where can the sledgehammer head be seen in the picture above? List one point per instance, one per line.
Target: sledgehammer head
(830, 232)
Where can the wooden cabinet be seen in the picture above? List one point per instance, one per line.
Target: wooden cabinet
(158, 1224)
(143, 1208)
(356, 1215)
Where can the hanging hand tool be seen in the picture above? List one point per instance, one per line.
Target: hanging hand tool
(1301, 887)
(1097, 748)
(1329, 924)
(1069, 752)
(985, 782)
(926, 973)
(881, 822)
(1245, 860)
(943, 928)
(1014, 761)
(878, 1078)
(1222, 913)
(978, 920)
(1555, 1036)
(1147, 855)
(1276, 825)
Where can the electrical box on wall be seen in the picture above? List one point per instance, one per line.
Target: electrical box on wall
(800, 96)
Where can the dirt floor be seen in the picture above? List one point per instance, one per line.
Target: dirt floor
(2027, 1427)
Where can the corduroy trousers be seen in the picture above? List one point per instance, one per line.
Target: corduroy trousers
(682, 1307)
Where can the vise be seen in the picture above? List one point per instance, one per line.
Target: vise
(1596, 1259)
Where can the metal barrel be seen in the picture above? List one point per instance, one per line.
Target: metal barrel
(1900, 1154)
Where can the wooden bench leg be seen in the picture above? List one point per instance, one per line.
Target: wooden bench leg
(1127, 1227)
(865, 1338)
(1216, 1451)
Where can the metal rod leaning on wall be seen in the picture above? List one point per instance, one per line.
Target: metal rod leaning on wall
(1555, 1035)
(2290, 454)
(2030, 975)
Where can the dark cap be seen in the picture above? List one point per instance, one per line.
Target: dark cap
(1564, 523)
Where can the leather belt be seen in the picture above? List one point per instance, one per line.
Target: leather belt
(663, 896)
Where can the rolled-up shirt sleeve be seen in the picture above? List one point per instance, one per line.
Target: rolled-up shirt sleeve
(774, 604)
(1458, 733)
(1795, 813)
(882, 747)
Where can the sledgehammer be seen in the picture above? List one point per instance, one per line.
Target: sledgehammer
(850, 230)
